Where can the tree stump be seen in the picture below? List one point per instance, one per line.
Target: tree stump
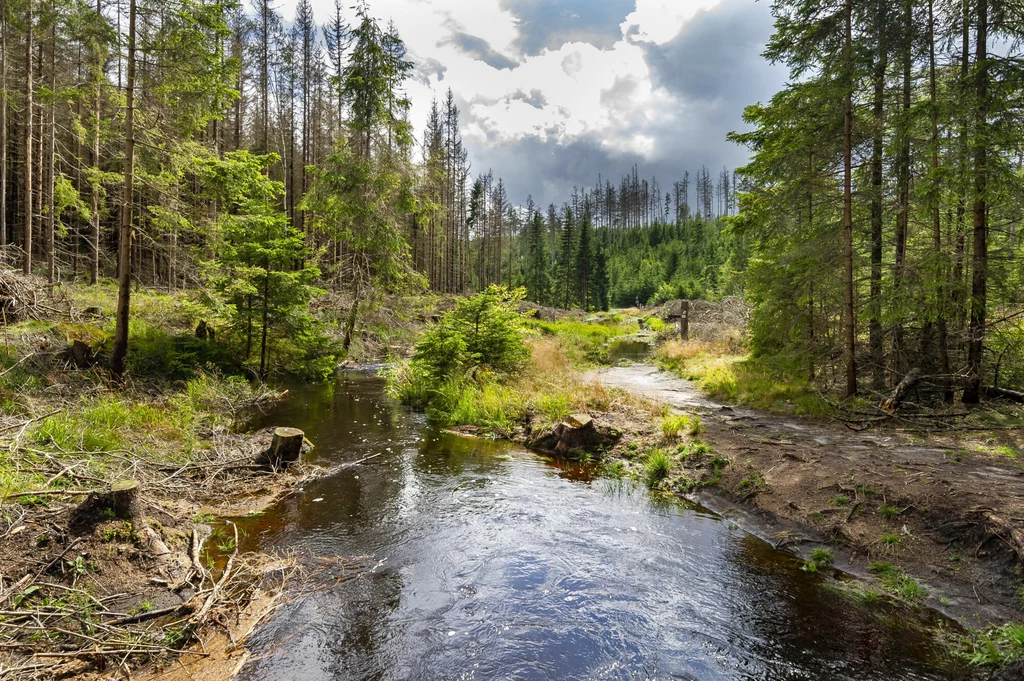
(81, 354)
(285, 448)
(123, 499)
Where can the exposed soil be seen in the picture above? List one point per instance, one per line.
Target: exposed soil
(84, 595)
(951, 516)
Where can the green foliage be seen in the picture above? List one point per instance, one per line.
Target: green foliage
(993, 646)
(262, 272)
(537, 275)
(657, 465)
(481, 339)
(896, 581)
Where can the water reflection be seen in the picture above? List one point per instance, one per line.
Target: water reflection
(496, 564)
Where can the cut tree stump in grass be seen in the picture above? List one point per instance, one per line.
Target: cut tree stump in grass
(124, 499)
(285, 449)
(82, 354)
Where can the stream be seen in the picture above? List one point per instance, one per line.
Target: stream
(479, 560)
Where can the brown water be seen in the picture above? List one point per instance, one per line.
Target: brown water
(485, 561)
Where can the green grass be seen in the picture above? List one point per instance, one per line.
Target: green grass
(890, 539)
(585, 342)
(823, 556)
(839, 501)
(740, 379)
(672, 425)
(992, 646)
(615, 469)
(492, 406)
(657, 465)
(888, 512)
(896, 581)
(694, 450)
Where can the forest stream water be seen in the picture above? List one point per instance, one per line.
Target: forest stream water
(480, 560)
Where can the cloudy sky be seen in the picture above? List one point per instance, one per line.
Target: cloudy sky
(553, 92)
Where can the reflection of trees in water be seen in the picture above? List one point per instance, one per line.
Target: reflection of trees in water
(792, 620)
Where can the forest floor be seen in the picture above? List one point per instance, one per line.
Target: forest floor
(946, 508)
(88, 590)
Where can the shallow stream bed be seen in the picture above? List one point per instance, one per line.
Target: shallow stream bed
(478, 560)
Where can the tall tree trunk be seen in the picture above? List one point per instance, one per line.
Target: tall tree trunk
(27, 260)
(875, 334)
(903, 180)
(3, 132)
(850, 324)
(124, 245)
(979, 262)
(958, 300)
(94, 237)
(939, 313)
(51, 160)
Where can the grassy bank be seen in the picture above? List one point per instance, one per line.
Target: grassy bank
(66, 425)
(546, 387)
(725, 371)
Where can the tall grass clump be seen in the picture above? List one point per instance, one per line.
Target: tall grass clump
(657, 465)
(586, 343)
(672, 425)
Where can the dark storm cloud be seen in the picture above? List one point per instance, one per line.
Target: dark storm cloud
(479, 48)
(713, 68)
(552, 23)
(717, 55)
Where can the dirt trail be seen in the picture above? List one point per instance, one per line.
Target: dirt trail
(953, 518)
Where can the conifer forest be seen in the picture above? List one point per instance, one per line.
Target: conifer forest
(512, 339)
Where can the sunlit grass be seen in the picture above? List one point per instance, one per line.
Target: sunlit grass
(736, 378)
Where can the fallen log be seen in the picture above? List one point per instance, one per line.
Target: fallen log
(908, 383)
(1004, 393)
